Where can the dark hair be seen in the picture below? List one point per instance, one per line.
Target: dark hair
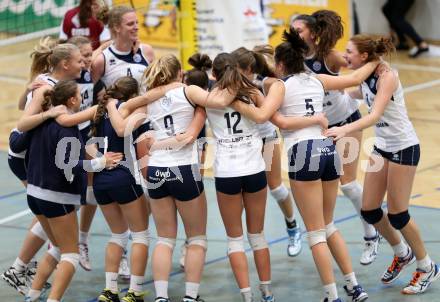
(225, 69)
(59, 94)
(85, 12)
(327, 26)
(123, 89)
(375, 48)
(253, 60)
(291, 52)
(198, 75)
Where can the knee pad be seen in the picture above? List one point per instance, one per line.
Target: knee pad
(54, 252)
(372, 216)
(120, 239)
(235, 245)
(198, 240)
(316, 237)
(257, 241)
(141, 237)
(280, 193)
(72, 258)
(330, 229)
(399, 220)
(90, 196)
(169, 242)
(38, 231)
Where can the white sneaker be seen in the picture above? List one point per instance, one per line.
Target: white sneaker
(370, 250)
(294, 245)
(182, 255)
(124, 267)
(421, 281)
(16, 279)
(84, 259)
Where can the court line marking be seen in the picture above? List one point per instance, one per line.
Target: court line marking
(275, 241)
(416, 67)
(15, 216)
(421, 86)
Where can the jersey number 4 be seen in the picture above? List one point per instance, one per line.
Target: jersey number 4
(229, 117)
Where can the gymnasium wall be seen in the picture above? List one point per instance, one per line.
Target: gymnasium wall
(423, 15)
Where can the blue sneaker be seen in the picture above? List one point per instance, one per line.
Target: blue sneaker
(357, 294)
(294, 245)
(270, 298)
(337, 300)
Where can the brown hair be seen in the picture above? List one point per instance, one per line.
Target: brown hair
(375, 48)
(85, 12)
(327, 26)
(291, 52)
(123, 89)
(161, 72)
(59, 94)
(113, 17)
(225, 69)
(40, 56)
(198, 75)
(253, 60)
(79, 41)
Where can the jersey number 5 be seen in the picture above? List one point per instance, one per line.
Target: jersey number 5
(309, 107)
(234, 129)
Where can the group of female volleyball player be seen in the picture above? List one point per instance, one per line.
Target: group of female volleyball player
(147, 108)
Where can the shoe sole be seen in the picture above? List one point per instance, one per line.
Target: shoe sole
(11, 284)
(397, 277)
(295, 255)
(414, 293)
(364, 298)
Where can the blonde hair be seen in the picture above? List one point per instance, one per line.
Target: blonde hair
(161, 72)
(61, 52)
(79, 41)
(113, 17)
(40, 56)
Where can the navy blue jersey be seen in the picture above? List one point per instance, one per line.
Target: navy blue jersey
(19, 141)
(47, 180)
(318, 66)
(124, 174)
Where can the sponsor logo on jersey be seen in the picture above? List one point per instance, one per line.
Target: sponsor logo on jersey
(395, 156)
(317, 65)
(112, 62)
(137, 58)
(165, 103)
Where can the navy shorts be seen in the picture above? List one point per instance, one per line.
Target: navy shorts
(352, 118)
(407, 157)
(18, 167)
(85, 134)
(121, 195)
(48, 209)
(270, 138)
(236, 185)
(314, 159)
(183, 183)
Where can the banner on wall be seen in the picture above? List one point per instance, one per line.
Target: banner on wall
(157, 21)
(212, 27)
(279, 14)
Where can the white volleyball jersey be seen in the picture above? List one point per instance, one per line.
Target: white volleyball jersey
(304, 96)
(394, 131)
(50, 81)
(85, 84)
(120, 64)
(238, 144)
(45, 77)
(265, 129)
(169, 116)
(336, 106)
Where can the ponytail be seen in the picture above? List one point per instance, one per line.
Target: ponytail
(375, 48)
(161, 72)
(59, 94)
(198, 75)
(291, 52)
(40, 57)
(123, 89)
